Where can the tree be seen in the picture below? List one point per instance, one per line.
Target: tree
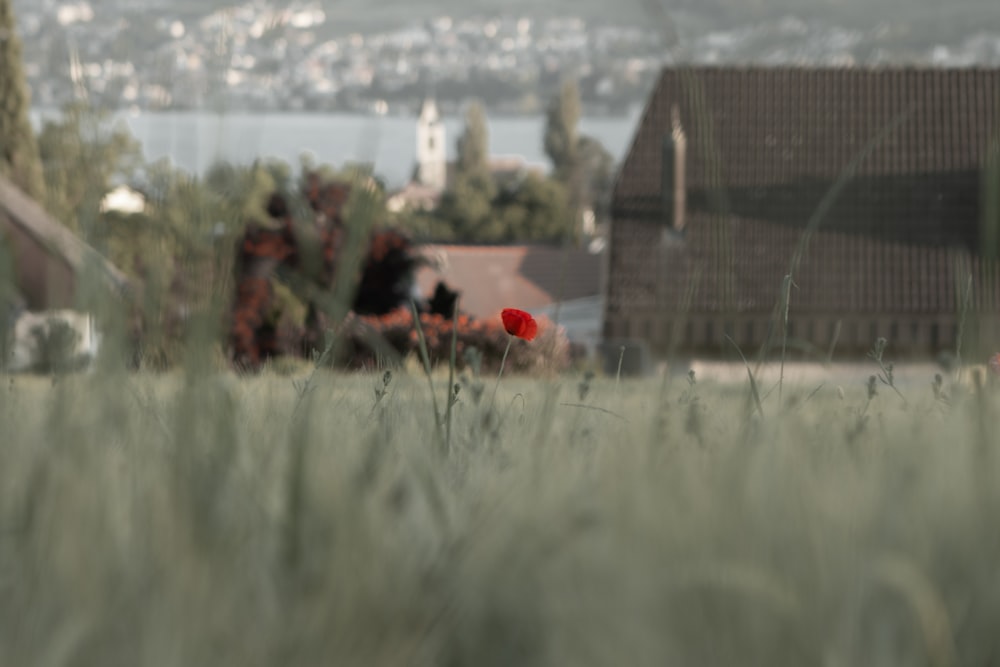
(19, 159)
(596, 175)
(83, 157)
(579, 162)
(467, 207)
(562, 143)
(243, 192)
(179, 250)
(473, 144)
(561, 138)
(467, 204)
(536, 209)
(423, 225)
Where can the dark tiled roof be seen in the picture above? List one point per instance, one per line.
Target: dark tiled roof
(773, 141)
(771, 126)
(899, 237)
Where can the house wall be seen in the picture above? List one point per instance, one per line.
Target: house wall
(810, 336)
(37, 344)
(44, 280)
(643, 304)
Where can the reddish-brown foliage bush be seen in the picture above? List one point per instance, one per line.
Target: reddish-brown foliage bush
(380, 325)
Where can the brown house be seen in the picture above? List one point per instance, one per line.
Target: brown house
(563, 284)
(491, 278)
(49, 261)
(876, 190)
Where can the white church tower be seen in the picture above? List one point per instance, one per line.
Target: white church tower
(431, 150)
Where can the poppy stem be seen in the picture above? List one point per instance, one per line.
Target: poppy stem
(510, 339)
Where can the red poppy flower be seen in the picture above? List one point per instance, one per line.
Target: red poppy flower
(519, 323)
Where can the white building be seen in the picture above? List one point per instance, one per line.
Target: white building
(123, 199)
(432, 153)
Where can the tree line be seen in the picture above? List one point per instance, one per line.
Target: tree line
(486, 205)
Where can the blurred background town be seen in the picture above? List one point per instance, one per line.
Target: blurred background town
(385, 57)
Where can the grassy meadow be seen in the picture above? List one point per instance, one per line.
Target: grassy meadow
(204, 518)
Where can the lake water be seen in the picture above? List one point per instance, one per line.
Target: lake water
(194, 140)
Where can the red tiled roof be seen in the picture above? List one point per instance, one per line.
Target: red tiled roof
(490, 278)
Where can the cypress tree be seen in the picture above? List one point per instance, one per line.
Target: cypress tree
(561, 136)
(562, 143)
(19, 159)
(473, 144)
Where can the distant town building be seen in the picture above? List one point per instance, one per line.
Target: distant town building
(432, 152)
(123, 199)
(433, 172)
(414, 197)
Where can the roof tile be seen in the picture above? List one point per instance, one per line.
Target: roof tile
(900, 233)
(491, 278)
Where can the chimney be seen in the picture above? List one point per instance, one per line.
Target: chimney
(672, 183)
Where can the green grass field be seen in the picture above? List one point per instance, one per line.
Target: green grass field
(216, 520)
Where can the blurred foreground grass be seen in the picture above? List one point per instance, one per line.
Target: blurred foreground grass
(217, 520)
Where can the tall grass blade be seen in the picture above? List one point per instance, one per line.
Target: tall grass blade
(295, 480)
(452, 361)
(503, 362)
(754, 391)
(426, 359)
(965, 304)
(827, 202)
(786, 295)
(833, 342)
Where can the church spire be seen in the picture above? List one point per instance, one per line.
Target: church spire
(431, 148)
